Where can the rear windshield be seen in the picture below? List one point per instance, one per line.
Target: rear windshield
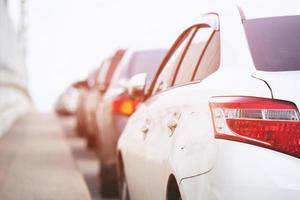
(274, 42)
(140, 62)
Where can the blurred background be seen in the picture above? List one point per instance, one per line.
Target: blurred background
(48, 49)
(46, 45)
(66, 39)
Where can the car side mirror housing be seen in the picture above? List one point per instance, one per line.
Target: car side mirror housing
(137, 86)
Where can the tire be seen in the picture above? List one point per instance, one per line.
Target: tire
(108, 188)
(175, 196)
(123, 186)
(108, 181)
(173, 192)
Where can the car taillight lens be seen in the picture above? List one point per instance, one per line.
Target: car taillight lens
(124, 106)
(269, 123)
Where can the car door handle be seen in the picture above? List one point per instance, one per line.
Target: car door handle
(145, 128)
(172, 124)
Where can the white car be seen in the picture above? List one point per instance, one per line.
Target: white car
(221, 119)
(115, 107)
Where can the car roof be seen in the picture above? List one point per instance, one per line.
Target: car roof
(253, 9)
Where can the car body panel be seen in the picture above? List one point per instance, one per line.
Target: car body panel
(92, 97)
(133, 157)
(284, 85)
(106, 119)
(162, 152)
(81, 124)
(258, 174)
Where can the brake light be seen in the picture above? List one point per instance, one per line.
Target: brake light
(269, 123)
(124, 106)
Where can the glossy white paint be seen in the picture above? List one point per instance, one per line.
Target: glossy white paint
(247, 172)
(285, 85)
(172, 134)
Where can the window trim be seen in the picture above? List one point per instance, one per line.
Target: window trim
(114, 62)
(100, 69)
(198, 27)
(209, 20)
(171, 51)
(202, 55)
(212, 19)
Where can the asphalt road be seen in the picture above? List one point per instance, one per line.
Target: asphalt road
(85, 159)
(36, 162)
(42, 159)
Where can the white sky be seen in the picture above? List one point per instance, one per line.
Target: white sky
(68, 38)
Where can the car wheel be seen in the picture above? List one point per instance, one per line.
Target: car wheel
(176, 196)
(108, 181)
(109, 188)
(123, 187)
(173, 192)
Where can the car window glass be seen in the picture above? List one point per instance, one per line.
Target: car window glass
(192, 56)
(165, 78)
(210, 60)
(145, 61)
(274, 42)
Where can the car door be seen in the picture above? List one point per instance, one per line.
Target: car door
(145, 123)
(104, 80)
(169, 108)
(193, 149)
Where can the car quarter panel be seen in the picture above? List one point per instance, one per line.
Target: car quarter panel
(235, 52)
(194, 148)
(248, 172)
(131, 146)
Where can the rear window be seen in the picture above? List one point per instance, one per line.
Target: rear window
(274, 42)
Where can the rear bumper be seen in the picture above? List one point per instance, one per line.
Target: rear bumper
(247, 172)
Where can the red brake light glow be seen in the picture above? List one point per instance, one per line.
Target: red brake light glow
(273, 124)
(124, 106)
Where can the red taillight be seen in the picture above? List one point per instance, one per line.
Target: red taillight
(124, 106)
(269, 123)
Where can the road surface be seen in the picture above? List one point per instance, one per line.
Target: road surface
(40, 158)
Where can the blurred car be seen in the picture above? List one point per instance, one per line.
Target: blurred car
(95, 85)
(98, 86)
(81, 110)
(67, 102)
(116, 106)
(221, 118)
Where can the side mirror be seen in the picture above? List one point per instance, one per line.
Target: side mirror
(137, 86)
